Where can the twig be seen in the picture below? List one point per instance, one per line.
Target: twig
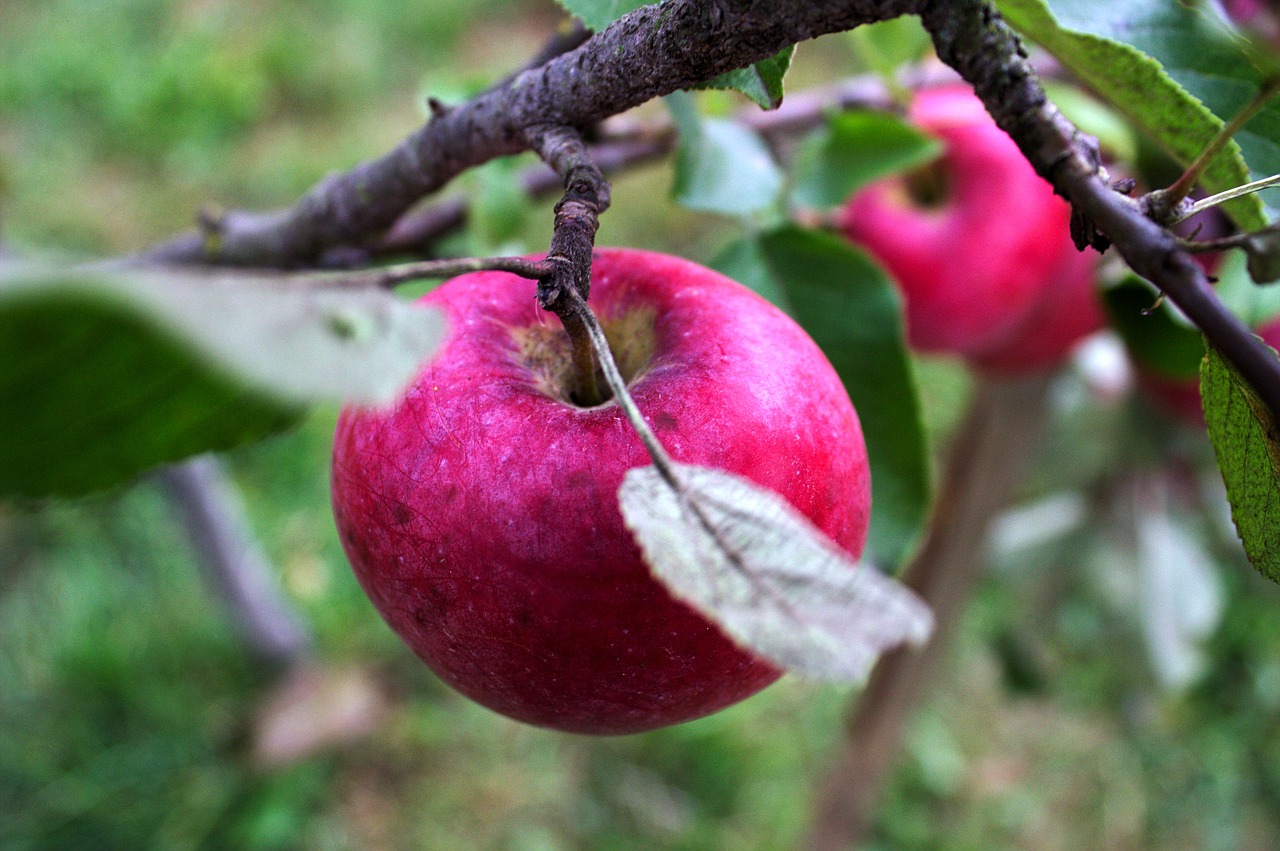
(1224, 243)
(232, 561)
(618, 385)
(987, 458)
(386, 277)
(417, 231)
(1228, 195)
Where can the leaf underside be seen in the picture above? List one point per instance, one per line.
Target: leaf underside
(771, 580)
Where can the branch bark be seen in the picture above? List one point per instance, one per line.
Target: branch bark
(658, 49)
(985, 463)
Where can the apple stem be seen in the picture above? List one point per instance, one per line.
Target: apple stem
(613, 377)
(586, 388)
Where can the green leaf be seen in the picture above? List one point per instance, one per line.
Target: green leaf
(771, 580)
(853, 149)
(886, 46)
(744, 261)
(721, 166)
(498, 208)
(106, 375)
(1247, 443)
(762, 82)
(1255, 305)
(853, 311)
(598, 14)
(1155, 336)
(1169, 69)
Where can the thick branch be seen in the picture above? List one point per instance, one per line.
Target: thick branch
(648, 53)
(632, 145)
(971, 37)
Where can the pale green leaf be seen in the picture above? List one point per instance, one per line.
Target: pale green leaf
(1256, 306)
(762, 82)
(598, 14)
(1178, 98)
(1247, 443)
(851, 150)
(770, 579)
(721, 166)
(885, 46)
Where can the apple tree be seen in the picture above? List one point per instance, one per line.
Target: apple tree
(1011, 177)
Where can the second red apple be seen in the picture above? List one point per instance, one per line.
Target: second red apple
(979, 245)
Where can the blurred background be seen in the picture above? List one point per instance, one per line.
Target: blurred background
(1116, 683)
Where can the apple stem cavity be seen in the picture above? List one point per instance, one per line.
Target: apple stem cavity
(586, 319)
(585, 391)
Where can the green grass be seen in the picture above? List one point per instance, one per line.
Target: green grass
(128, 707)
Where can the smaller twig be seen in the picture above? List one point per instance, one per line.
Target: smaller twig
(1225, 243)
(391, 276)
(1229, 195)
(613, 377)
(1164, 203)
(233, 562)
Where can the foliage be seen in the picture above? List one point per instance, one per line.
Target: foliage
(129, 706)
(197, 362)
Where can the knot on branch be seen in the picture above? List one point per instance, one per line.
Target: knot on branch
(212, 223)
(438, 108)
(577, 220)
(586, 195)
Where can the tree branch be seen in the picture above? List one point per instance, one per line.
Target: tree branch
(630, 145)
(653, 51)
(971, 37)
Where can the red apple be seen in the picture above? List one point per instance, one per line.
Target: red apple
(480, 513)
(979, 245)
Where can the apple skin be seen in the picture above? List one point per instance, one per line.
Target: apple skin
(988, 272)
(480, 513)
(1181, 397)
